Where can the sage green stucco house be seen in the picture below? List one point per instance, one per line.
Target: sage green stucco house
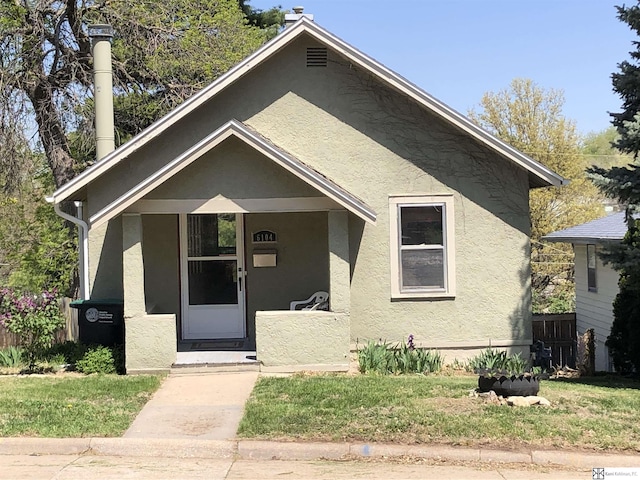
(311, 167)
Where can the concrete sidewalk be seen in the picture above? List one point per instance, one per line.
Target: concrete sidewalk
(196, 414)
(69, 467)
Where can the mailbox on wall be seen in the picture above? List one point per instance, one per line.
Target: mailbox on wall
(264, 258)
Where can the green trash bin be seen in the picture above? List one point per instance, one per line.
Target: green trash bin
(100, 322)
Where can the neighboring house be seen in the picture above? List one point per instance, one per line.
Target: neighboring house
(312, 167)
(596, 283)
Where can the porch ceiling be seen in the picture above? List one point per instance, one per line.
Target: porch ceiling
(262, 145)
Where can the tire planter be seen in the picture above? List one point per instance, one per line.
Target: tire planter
(518, 385)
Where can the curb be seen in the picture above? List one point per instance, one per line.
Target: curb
(269, 450)
(44, 446)
(163, 447)
(265, 450)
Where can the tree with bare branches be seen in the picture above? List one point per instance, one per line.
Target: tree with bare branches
(163, 53)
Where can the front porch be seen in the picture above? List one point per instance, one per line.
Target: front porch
(276, 339)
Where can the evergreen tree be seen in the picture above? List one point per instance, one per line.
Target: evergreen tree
(623, 184)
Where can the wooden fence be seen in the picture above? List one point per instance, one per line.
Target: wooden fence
(69, 332)
(557, 331)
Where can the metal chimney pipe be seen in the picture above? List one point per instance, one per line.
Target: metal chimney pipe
(101, 36)
(291, 18)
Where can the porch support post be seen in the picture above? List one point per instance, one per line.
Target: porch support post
(339, 269)
(133, 266)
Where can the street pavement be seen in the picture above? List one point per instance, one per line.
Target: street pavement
(188, 428)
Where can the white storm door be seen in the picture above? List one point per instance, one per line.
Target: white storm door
(212, 269)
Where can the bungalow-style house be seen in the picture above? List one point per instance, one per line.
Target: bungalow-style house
(596, 283)
(311, 167)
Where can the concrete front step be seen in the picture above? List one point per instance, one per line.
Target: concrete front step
(183, 369)
(215, 361)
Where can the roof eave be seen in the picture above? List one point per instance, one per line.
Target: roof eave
(582, 240)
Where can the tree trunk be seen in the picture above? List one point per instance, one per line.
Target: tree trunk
(52, 134)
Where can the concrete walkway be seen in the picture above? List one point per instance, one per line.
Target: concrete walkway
(196, 406)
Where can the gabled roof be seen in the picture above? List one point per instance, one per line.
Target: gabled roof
(539, 175)
(258, 143)
(611, 228)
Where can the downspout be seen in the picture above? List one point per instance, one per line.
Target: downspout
(83, 231)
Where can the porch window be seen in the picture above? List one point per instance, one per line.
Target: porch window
(591, 268)
(422, 246)
(211, 246)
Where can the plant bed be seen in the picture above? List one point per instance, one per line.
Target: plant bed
(508, 386)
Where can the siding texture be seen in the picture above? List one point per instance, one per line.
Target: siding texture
(595, 309)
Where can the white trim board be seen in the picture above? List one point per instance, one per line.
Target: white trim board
(539, 174)
(234, 205)
(257, 142)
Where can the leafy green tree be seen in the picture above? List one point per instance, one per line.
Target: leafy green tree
(623, 183)
(35, 246)
(600, 150)
(530, 119)
(270, 20)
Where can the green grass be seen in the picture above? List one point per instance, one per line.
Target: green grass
(93, 406)
(603, 414)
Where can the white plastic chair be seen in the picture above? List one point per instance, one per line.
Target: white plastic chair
(317, 301)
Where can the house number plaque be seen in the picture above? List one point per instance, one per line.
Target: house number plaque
(265, 236)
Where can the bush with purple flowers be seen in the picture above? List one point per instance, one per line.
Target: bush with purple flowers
(35, 319)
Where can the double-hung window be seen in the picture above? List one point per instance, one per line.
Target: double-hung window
(422, 246)
(592, 284)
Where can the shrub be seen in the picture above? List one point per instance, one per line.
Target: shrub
(35, 319)
(71, 351)
(101, 359)
(98, 359)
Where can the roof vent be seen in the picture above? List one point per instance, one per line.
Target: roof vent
(316, 56)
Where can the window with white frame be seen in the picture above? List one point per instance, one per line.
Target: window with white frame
(591, 268)
(422, 246)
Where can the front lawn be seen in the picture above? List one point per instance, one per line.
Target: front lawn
(600, 413)
(87, 406)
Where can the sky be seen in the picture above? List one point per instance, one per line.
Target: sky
(456, 50)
